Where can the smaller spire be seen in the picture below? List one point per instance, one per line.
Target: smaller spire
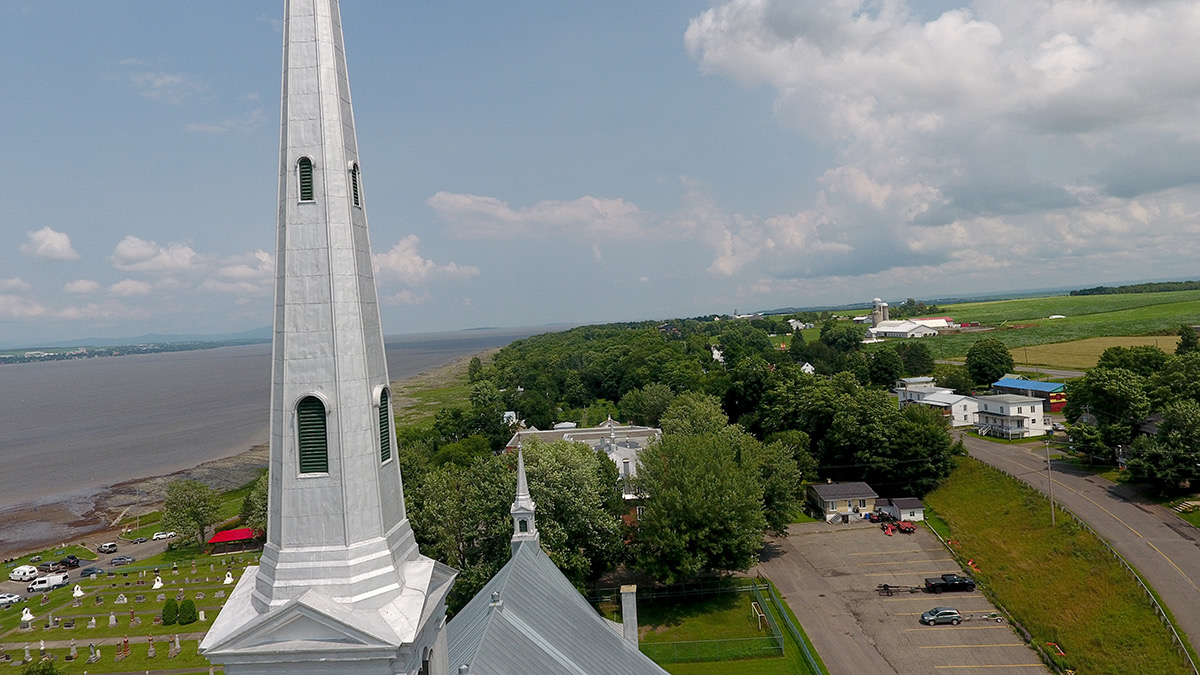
(524, 526)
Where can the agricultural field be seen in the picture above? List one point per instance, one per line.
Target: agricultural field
(1083, 354)
(1025, 323)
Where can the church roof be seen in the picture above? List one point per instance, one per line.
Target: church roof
(540, 625)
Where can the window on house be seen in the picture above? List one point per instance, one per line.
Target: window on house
(354, 184)
(311, 435)
(385, 428)
(304, 170)
(862, 503)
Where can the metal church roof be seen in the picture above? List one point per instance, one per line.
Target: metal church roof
(529, 619)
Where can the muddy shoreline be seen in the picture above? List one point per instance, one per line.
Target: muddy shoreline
(92, 514)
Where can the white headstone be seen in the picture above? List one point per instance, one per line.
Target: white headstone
(26, 615)
(158, 583)
(228, 578)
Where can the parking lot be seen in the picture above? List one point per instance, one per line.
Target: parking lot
(830, 574)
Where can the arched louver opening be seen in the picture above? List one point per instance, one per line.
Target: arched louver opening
(304, 169)
(312, 437)
(385, 428)
(354, 185)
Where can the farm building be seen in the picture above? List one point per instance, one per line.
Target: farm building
(901, 329)
(1053, 393)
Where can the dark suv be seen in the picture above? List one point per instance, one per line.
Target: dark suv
(70, 561)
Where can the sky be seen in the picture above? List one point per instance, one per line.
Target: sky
(529, 163)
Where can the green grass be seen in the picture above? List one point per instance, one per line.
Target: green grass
(187, 662)
(1060, 583)
(419, 398)
(717, 617)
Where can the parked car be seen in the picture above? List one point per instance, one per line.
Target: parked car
(23, 573)
(949, 582)
(162, 535)
(121, 560)
(52, 566)
(9, 598)
(48, 583)
(89, 571)
(70, 561)
(140, 540)
(941, 615)
(107, 547)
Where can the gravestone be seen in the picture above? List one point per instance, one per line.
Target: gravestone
(179, 596)
(121, 599)
(112, 620)
(162, 597)
(202, 615)
(219, 594)
(199, 595)
(46, 599)
(99, 599)
(139, 598)
(150, 653)
(74, 652)
(92, 622)
(28, 656)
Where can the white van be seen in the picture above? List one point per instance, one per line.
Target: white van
(110, 547)
(48, 583)
(23, 573)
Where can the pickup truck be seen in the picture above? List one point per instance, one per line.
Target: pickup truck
(949, 582)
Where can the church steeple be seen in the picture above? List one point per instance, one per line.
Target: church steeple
(340, 577)
(524, 525)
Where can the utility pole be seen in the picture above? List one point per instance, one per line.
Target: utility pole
(1050, 482)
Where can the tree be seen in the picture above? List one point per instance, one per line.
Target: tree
(41, 668)
(844, 337)
(1145, 360)
(694, 413)
(988, 360)
(885, 366)
(954, 377)
(1189, 342)
(1116, 397)
(646, 406)
(187, 612)
(474, 370)
(170, 612)
(703, 508)
(1170, 460)
(917, 358)
(190, 507)
(254, 506)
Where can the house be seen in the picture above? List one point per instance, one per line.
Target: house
(901, 329)
(959, 410)
(1053, 393)
(808, 368)
(917, 394)
(1012, 416)
(903, 508)
(846, 500)
(621, 442)
(905, 382)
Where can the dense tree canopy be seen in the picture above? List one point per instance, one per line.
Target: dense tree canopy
(190, 507)
(988, 360)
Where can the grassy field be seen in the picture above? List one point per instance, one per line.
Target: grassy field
(1083, 354)
(419, 398)
(1061, 584)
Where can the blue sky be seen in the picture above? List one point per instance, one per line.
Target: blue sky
(528, 163)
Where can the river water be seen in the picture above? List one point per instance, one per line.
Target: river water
(74, 426)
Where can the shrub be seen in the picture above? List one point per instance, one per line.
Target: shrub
(187, 612)
(170, 612)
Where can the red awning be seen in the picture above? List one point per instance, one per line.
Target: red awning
(239, 534)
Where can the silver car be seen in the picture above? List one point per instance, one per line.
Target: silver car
(940, 615)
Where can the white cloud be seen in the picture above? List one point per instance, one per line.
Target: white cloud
(14, 306)
(405, 263)
(82, 287)
(50, 244)
(407, 297)
(14, 284)
(131, 287)
(158, 85)
(133, 254)
(476, 216)
(244, 125)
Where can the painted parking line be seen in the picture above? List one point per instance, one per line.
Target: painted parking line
(892, 574)
(1007, 644)
(1000, 665)
(907, 550)
(926, 629)
(903, 562)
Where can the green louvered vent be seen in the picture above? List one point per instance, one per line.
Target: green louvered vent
(314, 447)
(385, 428)
(354, 184)
(305, 169)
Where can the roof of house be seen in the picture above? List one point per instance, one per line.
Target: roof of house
(946, 398)
(906, 503)
(539, 624)
(1030, 385)
(1010, 399)
(238, 534)
(854, 490)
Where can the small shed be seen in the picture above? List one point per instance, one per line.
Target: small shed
(904, 508)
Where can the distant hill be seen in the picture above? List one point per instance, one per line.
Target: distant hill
(256, 335)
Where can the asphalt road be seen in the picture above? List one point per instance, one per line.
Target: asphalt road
(1161, 546)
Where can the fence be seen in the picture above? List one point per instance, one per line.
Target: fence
(1158, 609)
(777, 604)
(706, 650)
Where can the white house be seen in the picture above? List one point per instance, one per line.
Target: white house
(959, 410)
(919, 393)
(1012, 416)
(903, 508)
(901, 329)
